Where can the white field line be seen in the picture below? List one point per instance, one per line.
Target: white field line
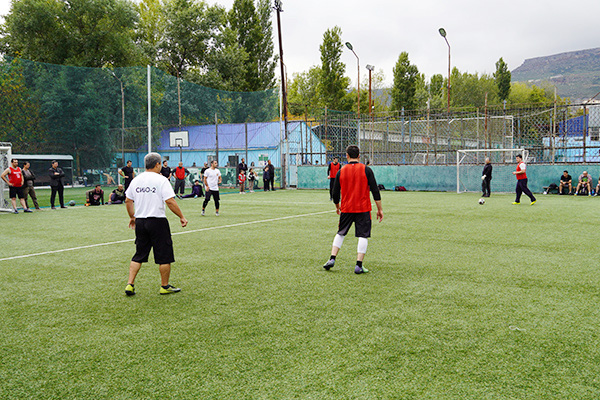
(176, 233)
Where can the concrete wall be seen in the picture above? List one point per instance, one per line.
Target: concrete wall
(443, 177)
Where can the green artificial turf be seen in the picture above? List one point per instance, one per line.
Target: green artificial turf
(463, 301)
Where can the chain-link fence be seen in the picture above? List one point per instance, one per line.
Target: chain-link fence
(550, 133)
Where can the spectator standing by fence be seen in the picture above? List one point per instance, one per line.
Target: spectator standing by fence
(271, 174)
(15, 183)
(57, 184)
(28, 189)
(128, 173)
(166, 170)
(180, 174)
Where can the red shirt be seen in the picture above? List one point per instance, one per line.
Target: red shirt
(15, 176)
(354, 187)
(242, 178)
(519, 168)
(333, 170)
(180, 173)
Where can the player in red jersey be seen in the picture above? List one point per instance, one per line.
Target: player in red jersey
(353, 183)
(15, 183)
(521, 174)
(332, 170)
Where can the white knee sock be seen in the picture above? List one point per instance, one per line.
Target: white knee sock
(338, 240)
(362, 245)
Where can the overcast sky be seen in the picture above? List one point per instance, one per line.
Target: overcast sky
(479, 32)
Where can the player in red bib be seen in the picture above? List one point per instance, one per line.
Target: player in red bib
(353, 183)
(15, 183)
(332, 170)
(521, 174)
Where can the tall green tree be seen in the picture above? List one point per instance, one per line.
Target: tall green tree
(406, 76)
(189, 29)
(88, 33)
(333, 84)
(254, 35)
(303, 91)
(502, 78)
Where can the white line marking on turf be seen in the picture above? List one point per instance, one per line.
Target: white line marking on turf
(176, 233)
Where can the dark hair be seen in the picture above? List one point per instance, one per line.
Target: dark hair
(520, 156)
(26, 162)
(128, 161)
(353, 151)
(12, 160)
(566, 171)
(98, 185)
(53, 161)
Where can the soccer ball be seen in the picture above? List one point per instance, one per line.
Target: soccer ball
(72, 203)
(481, 201)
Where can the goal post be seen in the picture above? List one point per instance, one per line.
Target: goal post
(5, 155)
(469, 165)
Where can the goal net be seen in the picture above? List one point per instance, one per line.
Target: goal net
(469, 166)
(5, 154)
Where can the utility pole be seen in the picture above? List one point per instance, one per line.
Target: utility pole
(279, 10)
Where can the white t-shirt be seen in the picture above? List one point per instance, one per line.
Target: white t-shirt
(149, 191)
(212, 178)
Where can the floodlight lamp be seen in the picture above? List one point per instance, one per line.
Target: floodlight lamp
(370, 67)
(279, 5)
(349, 45)
(443, 32)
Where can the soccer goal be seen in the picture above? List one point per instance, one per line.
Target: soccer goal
(470, 162)
(5, 154)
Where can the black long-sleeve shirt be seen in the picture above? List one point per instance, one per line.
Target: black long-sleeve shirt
(487, 171)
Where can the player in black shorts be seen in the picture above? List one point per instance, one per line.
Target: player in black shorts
(352, 184)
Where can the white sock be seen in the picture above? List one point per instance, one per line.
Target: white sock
(362, 245)
(338, 240)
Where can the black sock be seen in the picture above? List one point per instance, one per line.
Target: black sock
(332, 258)
(165, 287)
(359, 263)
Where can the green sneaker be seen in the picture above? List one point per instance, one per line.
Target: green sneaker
(129, 290)
(360, 270)
(169, 289)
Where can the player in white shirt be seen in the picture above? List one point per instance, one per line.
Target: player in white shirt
(145, 200)
(212, 180)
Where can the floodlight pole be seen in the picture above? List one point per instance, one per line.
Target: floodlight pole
(278, 6)
(443, 34)
(371, 68)
(349, 45)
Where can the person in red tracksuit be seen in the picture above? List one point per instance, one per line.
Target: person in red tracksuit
(332, 170)
(353, 183)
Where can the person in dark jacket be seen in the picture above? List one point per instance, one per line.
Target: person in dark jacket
(271, 174)
(486, 177)
(28, 189)
(266, 178)
(56, 184)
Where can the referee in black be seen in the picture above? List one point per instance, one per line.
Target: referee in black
(145, 201)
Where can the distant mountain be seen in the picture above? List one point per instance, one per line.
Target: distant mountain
(576, 74)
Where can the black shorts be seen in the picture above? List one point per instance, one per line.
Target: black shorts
(13, 192)
(153, 233)
(214, 194)
(362, 224)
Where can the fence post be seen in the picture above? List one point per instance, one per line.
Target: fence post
(585, 129)
(217, 137)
